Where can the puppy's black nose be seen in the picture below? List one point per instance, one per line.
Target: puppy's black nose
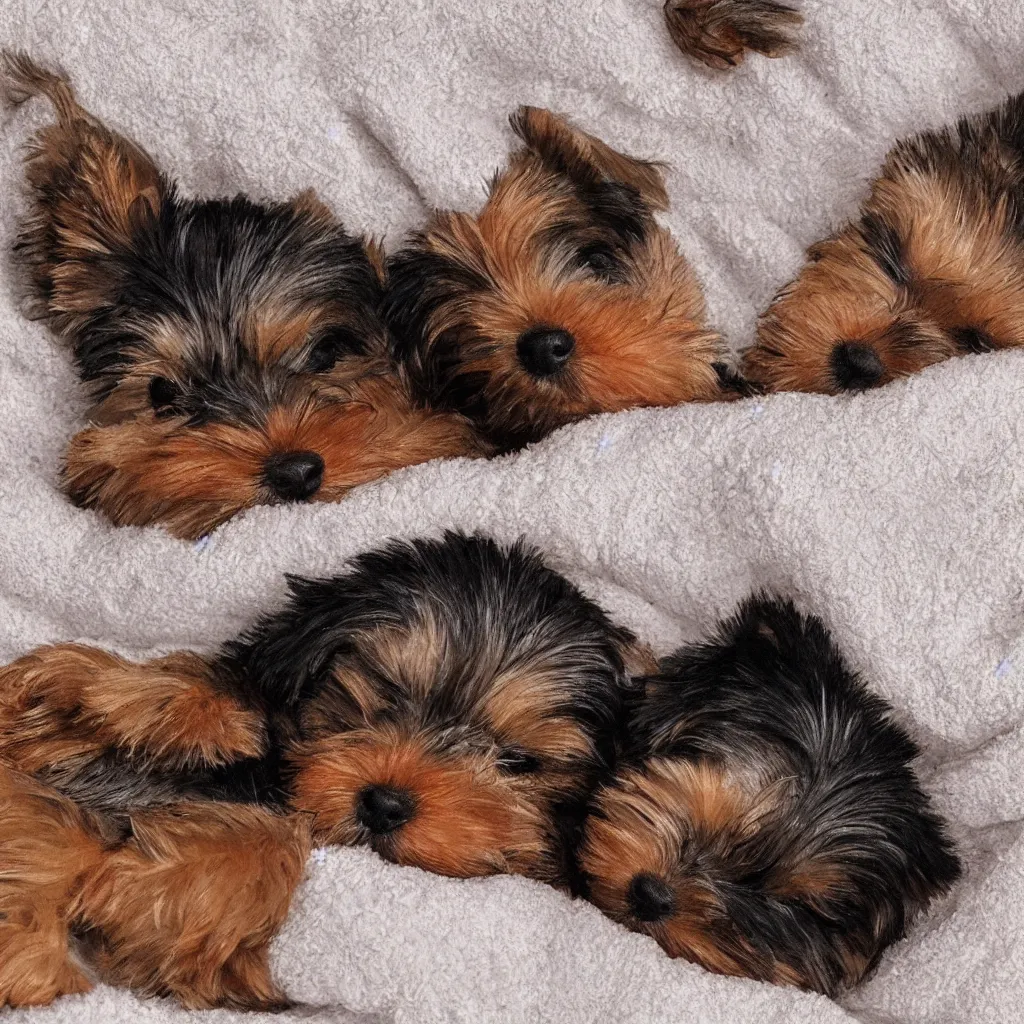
(383, 809)
(650, 899)
(855, 366)
(294, 476)
(543, 351)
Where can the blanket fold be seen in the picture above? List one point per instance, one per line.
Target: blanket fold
(897, 516)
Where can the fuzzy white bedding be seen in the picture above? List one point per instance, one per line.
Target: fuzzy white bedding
(898, 516)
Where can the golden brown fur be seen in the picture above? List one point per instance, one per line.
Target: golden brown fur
(930, 270)
(69, 700)
(105, 836)
(629, 835)
(469, 819)
(451, 704)
(193, 480)
(234, 350)
(566, 246)
(719, 32)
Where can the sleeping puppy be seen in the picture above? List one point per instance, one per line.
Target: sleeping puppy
(932, 268)
(233, 350)
(450, 704)
(766, 821)
(563, 297)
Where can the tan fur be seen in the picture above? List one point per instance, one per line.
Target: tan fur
(642, 825)
(192, 480)
(537, 126)
(414, 653)
(45, 849)
(962, 259)
(719, 32)
(185, 901)
(189, 906)
(639, 659)
(93, 192)
(640, 341)
(97, 184)
(468, 821)
(67, 700)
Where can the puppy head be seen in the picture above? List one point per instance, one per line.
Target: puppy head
(849, 322)
(453, 704)
(234, 350)
(562, 298)
(930, 270)
(765, 821)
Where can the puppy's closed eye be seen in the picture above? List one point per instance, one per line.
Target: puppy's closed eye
(331, 346)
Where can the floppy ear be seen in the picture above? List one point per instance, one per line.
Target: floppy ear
(566, 150)
(286, 657)
(91, 190)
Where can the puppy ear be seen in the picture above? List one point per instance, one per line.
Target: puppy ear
(286, 657)
(565, 149)
(637, 657)
(92, 190)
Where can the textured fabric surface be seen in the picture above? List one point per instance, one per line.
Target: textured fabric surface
(897, 515)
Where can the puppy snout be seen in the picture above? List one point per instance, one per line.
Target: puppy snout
(294, 476)
(384, 809)
(543, 351)
(650, 899)
(855, 366)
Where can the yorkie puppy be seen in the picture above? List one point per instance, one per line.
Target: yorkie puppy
(132, 848)
(451, 704)
(719, 32)
(562, 298)
(766, 821)
(235, 351)
(931, 269)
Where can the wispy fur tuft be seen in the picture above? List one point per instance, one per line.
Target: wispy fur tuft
(719, 32)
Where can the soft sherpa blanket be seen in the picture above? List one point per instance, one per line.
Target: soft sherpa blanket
(898, 516)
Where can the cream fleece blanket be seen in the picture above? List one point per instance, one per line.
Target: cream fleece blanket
(898, 516)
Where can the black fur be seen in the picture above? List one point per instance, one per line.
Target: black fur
(419, 282)
(974, 339)
(885, 247)
(496, 611)
(483, 597)
(614, 206)
(770, 695)
(496, 608)
(734, 382)
(204, 264)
